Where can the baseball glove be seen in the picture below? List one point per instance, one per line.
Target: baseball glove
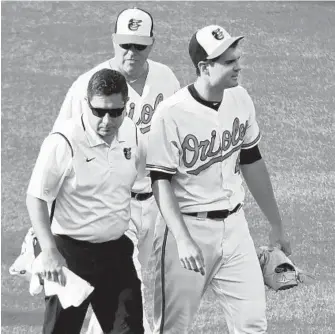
(279, 272)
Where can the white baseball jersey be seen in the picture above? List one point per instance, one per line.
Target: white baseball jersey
(201, 147)
(160, 84)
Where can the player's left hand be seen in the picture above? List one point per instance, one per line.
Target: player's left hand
(190, 255)
(279, 239)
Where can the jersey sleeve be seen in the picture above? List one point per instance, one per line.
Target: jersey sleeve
(176, 83)
(252, 136)
(72, 104)
(53, 164)
(163, 143)
(173, 81)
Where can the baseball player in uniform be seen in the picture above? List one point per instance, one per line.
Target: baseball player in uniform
(202, 140)
(88, 166)
(149, 83)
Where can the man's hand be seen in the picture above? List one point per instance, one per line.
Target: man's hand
(190, 255)
(278, 238)
(51, 266)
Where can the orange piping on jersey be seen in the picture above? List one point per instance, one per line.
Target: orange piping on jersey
(253, 142)
(161, 169)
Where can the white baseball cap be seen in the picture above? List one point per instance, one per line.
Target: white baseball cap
(134, 26)
(209, 43)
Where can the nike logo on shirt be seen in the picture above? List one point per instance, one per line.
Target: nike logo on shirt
(88, 160)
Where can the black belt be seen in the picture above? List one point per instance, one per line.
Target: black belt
(218, 214)
(141, 196)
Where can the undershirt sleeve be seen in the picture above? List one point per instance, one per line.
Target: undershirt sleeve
(249, 156)
(155, 175)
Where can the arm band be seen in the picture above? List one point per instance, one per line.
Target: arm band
(250, 155)
(154, 175)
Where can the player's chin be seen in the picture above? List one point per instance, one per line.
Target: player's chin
(131, 66)
(234, 81)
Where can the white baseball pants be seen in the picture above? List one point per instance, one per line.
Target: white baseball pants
(232, 271)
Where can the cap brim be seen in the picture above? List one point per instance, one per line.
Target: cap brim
(223, 47)
(132, 39)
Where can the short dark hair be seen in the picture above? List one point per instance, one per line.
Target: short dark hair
(233, 46)
(107, 82)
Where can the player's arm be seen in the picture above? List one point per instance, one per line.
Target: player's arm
(141, 142)
(162, 162)
(168, 205)
(46, 180)
(257, 178)
(190, 254)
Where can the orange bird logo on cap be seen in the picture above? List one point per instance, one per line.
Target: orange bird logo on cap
(218, 34)
(134, 24)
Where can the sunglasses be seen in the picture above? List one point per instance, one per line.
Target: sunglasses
(101, 112)
(137, 47)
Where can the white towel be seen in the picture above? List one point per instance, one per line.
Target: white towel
(75, 291)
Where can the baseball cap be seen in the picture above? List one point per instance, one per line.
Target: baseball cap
(209, 43)
(134, 26)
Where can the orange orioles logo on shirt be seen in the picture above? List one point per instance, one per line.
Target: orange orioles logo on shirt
(146, 113)
(193, 150)
(127, 153)
(218, 34)
(134, 24)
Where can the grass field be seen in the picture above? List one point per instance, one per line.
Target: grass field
(289, 57)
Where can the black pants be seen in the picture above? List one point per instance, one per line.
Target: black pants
(116, 298)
